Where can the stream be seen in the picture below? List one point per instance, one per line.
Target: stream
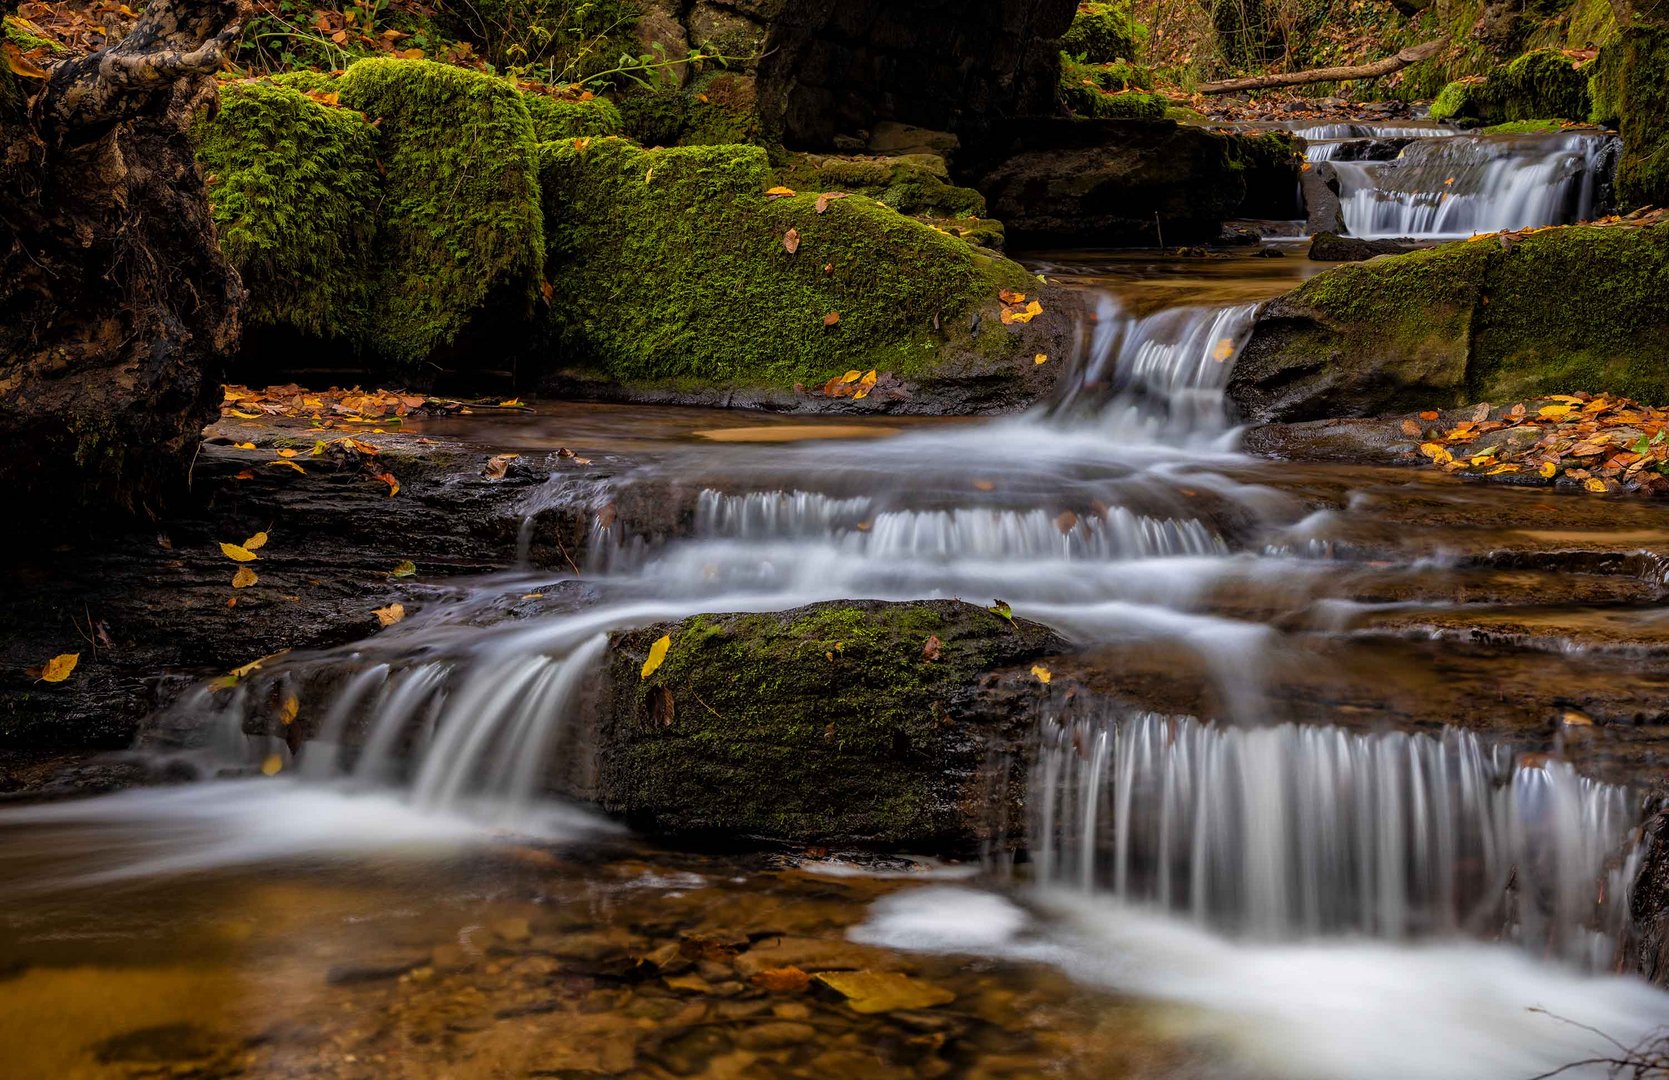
(1318, 832)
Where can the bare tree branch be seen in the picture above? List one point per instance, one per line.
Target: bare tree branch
(1411, 55)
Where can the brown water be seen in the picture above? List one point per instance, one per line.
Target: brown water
(324, 927)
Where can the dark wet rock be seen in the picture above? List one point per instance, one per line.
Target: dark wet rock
(1649, 903)
(1125, 182)
(1331, 247)
(824, 724)
(1320, 187)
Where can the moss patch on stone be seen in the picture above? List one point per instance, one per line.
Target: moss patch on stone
(1637, 91)
(825, 723)
(294, 187)
(909, 183)
(1537, 85)
(1117, 90)
(1103, 32)
(460, 237)
(671, 265)
(571, 118)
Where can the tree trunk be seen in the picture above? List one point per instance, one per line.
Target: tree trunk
(1411, 55)
(116, 305)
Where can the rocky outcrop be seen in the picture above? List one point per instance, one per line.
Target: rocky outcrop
(1130, 181)
(841, 723)
(1331, 247)
(1557, 311)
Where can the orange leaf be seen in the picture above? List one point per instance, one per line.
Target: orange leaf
(782, 980)
(831, 318)
(21, 65)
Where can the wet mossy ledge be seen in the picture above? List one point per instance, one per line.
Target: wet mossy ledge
(1540, 85)
(431, 222)
(851, 723)
(1562, 310)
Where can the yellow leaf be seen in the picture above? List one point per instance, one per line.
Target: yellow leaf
(245, 446)
(21, 65)
(1548, 470)
(1042, 673)
(851, 376)
(405, 569)
(1554, 411)
(238, 554)
(273, 765)
(256, 542)
(241, 672)
(1594, 484)
(287, 710)
(780, 192)
(1041, 358)
(291, 464)
(884, 991)
(1223, 350)
(513, 403)
(1436, 453)
(244, 578)
(657, 654)
(286, 453)
(59, 667)
(391, 614)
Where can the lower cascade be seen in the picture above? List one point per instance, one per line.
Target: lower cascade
(1293, 831)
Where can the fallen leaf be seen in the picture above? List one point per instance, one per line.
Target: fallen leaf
(287, 710)
(21, 65)
(391, 614)
(244, 446)
(513, 403)
(59, 667)
(291, 464)
(828, 197)
(405, 569)
(1009, 296)
(791, 241)
(1429, 414)
(1409, 427)
(1594, 484)
(273, 765)
(1576, 718)
(256, 542)
(779, 192)
(498, 465)
(1548, 470)
(1223, 350)
(244, 578)
(831, 318)
(1041, 358)
(931, 651)
(657, 654)
(984, 485)
(388, 478)
(884, 991)
(238, 553)
(1042, 673)
(1001, 607)
(244, 475)
(286, 453)
(782, 980)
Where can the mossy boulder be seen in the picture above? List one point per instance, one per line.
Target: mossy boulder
(1631, 89)
(672, 268)
(1538, 85)
(571, 118)
(294, 188)
(1102, 32)
(1557, 311)
(827, 724)
(916, 184)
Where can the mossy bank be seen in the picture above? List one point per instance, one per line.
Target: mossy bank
(842, 723)
(1498, 318)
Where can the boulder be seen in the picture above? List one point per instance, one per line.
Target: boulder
(1323, 212)
(1126, 182)
(1555, 311)
(677, 272)
(839, 723)
(1331, 247)
(1631, 89)
(1543, 84)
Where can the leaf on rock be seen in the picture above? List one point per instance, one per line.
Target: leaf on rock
(388, 478)
(244, 446)
(405, 569)
(826, 198)
(59, 667)
(884, 991)
(256, 542)
(244, 578)
(291, 464)
(21, 65)
(791, 241)
(1042, 673)
(1001, 607)
(238, 553)
(933, 649)
(391, 614)
(782, 980)
(657, 655)
(779, 192)
(498, 465)
(1411, 428)
(1429, 414)
(273, 765)
(1041, 358)
(288, 709)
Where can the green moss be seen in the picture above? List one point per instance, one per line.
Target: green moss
(1104, 32)
(1605, 83)
(1465, 101)
(557, 41)
(567, 118)
(1537, 85)
(308, 82)
(22, 34)
(1576, 309)
(671, 265)
(1525, 127)
(294, 188)
(654, 118)
(721, 108)
(1114, 90)
(460, 241)
(1642, 105)
(820, 723)
(909, 183)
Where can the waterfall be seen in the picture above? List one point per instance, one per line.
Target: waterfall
(1297, 831)
(1456, 186)
(1323, 142)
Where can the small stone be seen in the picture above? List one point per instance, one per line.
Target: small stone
(775, 1035)
(513, 931)
(791, 1010)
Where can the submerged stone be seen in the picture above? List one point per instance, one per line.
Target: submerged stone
(826, 724)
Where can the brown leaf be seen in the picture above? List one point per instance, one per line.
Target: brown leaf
(497, 465)
(1481, 413)
(1429, 414)
(21, 65)
(391, 614)
(782, 980)
(826, 198)
(791, 241)
(831, 318)
(930, 651)
(1411, 428)
(244, 578)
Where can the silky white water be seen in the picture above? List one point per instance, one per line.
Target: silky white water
(1460, 185)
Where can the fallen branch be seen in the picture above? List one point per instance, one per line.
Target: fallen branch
(1411, 55)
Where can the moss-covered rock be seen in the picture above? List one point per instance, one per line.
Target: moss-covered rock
(1538, 85)
(460, 237)
(721, 108)
(294, 188)
(571, 118)
(825, 724)
(917, 184)
(1631, 89)
(1557, 311)
(671, 266)
(1103, 32)
(1116, 90)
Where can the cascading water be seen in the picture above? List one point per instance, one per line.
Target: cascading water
(1460, 185)
(1325, 142)
(1296, 831)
